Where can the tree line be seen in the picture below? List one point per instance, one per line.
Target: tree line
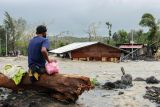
(11, 33)
(14, 35)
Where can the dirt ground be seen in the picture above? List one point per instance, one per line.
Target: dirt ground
(103, 71)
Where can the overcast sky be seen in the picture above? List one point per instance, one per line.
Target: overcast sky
(76, 15)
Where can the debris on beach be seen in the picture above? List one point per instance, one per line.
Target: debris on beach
(26, 98)
(153, 94)
(152, 80)
(120, 93)
(125, 82)
(139, 79)
(95, 82)
(62, 87)
(149, 80)
(116, 85)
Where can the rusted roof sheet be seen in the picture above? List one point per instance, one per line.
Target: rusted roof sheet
(130, 46)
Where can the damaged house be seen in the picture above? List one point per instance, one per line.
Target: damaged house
(89, 51)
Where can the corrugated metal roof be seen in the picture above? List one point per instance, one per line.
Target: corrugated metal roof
(78, 45)
(72, 46)
(131, 46)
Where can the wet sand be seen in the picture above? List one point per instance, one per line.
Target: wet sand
(104, 71)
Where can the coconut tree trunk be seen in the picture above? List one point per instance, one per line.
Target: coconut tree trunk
(62, 87)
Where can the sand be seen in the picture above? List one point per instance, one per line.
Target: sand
(104, 71)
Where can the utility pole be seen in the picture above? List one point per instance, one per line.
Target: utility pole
(0, 47)
(55, 41)
(6, 44)
(132, 44)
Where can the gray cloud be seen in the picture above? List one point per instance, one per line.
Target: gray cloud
(76, 15)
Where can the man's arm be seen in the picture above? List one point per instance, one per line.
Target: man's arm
(45, 46)
(45, 54)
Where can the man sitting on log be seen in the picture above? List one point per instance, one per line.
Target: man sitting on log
(37, 53)
(62, 87)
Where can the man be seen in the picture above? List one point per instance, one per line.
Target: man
(37, 53)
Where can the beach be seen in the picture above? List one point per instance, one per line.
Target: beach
(103, 72)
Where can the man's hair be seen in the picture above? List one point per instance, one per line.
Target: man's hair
(41, 29)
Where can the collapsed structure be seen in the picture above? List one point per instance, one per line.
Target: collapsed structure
(136, 51)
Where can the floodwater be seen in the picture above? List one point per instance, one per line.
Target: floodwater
(98, 97)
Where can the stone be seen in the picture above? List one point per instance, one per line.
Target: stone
(120, 93)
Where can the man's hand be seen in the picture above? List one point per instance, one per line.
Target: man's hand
(52, 60)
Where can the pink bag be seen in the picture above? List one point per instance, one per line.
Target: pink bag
(52, 68)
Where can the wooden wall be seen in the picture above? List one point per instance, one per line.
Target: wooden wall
(96, 52)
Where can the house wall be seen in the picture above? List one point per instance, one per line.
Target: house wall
(97, 52)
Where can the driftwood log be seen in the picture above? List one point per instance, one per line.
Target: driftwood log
(61, 87)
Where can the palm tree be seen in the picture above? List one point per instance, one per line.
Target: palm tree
(14, 29)
(2, 40)
(149, 21)
(109, 26)
(115, 37)
(10, 28)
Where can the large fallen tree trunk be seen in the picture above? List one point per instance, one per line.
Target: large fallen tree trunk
(62, 87)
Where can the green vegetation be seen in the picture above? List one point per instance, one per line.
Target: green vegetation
(149, 21)
(18, 35)
(95, 82)
(13, 30)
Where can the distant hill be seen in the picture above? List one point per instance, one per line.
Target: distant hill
(61, 41)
